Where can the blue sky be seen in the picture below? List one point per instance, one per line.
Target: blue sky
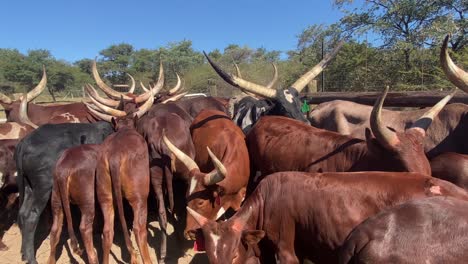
(78, 29)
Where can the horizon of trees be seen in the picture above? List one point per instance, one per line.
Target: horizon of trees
(408, 59)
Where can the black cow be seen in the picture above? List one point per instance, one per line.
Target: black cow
(35, 157)
(283, 102)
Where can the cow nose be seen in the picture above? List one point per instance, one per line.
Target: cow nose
(190, 234)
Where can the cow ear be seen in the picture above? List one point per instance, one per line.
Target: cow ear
(252, 237)
(369, 135)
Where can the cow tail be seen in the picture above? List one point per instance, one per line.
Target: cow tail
(170, 192)
(64, 199)
(117, 186)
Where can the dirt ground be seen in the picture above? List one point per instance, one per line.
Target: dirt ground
(176, 254)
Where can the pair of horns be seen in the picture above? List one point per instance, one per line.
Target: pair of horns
(269, 92)
(126, 97)
(31, 94)
(387, 137)
(106, 113)
(215, 176)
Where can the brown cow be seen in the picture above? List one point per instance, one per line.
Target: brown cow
(431, 230)
(44, 114)
(452, 167)
(123, 169)
(176, 122)
(282, 144)
(216, 184)
(308, 215)
(8, 186)
(74, 177)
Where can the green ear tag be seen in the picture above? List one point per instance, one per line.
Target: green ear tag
(305, 107)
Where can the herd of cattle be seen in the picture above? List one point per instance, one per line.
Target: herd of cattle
(263, 182)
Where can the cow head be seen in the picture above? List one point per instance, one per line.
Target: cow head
(204, 194)
(401, 150)
(230, 241)
(12, 107)
(286, 101)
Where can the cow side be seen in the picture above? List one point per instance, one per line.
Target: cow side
(430, 230)
(35, 157)
(74, 177)
(8, 186)
(123, 172)
(164, 168)
(296, 215)
(452, 167)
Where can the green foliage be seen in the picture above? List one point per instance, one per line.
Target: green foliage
(408, 58)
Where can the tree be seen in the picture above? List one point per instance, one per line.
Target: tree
(406, 25)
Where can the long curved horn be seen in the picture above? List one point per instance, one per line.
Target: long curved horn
(107, 109)
(238, 73)
(100, 115)
(316, 70)
(93, 93)
(454, 73)
(145, 107)
(384, 136)
(184, 158)
(241, 83)
(216, 175)
(23, 112)
(143, 87)
(104, 87)
(132, 88)
(40, 86)
(200, 219)
(176, 87)
(275, 77)
(425, 120)
(155, 89)
(174, 98)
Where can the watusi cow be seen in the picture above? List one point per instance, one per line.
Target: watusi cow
(309, 215)
(219, 174)
(123, 171)
(283, 102)
(176, 122)
(45, 114)
(74, 177)
(278, 143)
(35, 157)
(430, 230)
(446, 134)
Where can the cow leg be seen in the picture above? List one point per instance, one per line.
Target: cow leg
(56, 230)
(140, 212)
(156, 181)
(39, 201)
(86, 230)
(285, 250)
(107, 209)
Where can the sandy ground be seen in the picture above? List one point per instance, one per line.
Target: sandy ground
(176, 254)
